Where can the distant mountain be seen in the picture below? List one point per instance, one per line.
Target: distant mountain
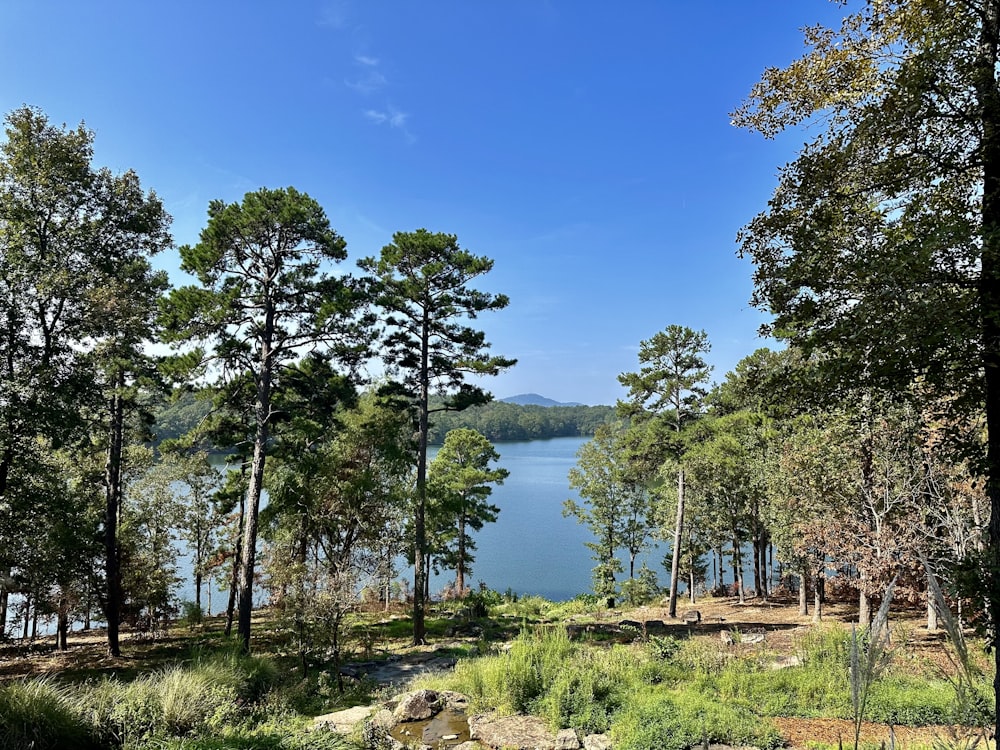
(533, 399)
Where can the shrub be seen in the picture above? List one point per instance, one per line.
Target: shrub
(41, 714)
(911, 701)
(191, 614)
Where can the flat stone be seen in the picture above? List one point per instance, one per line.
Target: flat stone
(566, 739)
(512, 732)
(597, 742)
(344, 721)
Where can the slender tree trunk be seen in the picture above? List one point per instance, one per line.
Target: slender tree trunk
(675, 562)
(803, 591)
(722, 569)
(757, 577)
(864, 609)
(460, 568)
(262, 415)
(234, 579)
(818, 596)
(62, 624)
(738, 569)
(988, 98)
(420, 573)
(4, 599)
(932, 613)
(113, 496)
(27, 616)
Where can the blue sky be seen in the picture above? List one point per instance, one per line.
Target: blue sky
(584, 146)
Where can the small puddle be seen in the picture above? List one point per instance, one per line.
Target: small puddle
(448, 728)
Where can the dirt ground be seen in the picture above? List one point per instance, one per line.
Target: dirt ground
(778, 620)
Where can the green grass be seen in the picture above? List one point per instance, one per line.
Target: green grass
(41, 714)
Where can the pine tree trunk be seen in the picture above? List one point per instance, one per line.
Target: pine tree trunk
(420, 572)
(262, 417)
(234, 579)
(675, 562)
(62, 624)
(738, 569)
(758, 581)
(460, 567)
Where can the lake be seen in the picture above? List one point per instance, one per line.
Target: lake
(532, 548)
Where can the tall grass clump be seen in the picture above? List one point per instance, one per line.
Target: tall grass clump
(200, 698)
(667, 720)
(511, 681)
(590, 689)
(40, 714)
(974, 693)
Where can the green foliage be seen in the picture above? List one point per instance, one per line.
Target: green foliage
(667, 720)
(642, 589)
(41, 714)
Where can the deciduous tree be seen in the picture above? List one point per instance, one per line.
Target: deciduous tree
(881, 244)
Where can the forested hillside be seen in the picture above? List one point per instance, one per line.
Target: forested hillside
(499, 420)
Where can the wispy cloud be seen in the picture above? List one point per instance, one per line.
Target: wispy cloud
(370, 79)
(393, 118)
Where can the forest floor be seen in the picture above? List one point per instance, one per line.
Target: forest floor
(778, 620)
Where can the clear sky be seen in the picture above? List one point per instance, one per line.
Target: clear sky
(584, 146)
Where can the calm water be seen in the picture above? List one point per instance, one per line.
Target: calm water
(531, 548)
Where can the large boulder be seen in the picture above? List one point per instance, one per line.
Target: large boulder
(416, 706)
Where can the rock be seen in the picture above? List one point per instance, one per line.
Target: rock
(566, 739)
(514, 732)
(656, 626)
(630, 624)
(692, 616)
(422, 704)
(784, 662)
(375, 732)
(343, 722)
(597, 742)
